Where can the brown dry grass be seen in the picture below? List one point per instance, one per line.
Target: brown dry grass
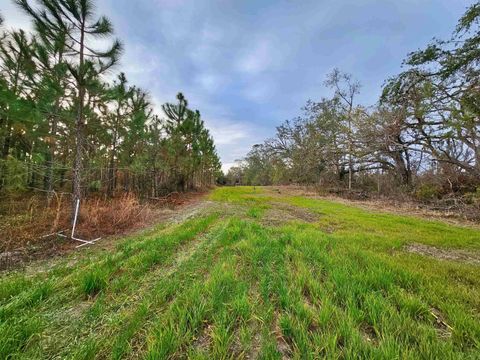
(471, 257)
(25, 220)
(100, 217)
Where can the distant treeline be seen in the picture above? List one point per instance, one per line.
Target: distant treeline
(64, 127)
(422, 136)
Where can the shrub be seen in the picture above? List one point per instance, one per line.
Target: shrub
(15, 174)
(426, 192)
(95, 186)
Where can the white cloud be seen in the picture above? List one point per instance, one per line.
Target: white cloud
(171, 3)
(227, 166)
(257, 59)
(228, 133)
(13, 17)
(207, 47)
(258, 91)
(209, 81)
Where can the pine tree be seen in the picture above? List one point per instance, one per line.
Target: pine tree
(77, 19)
(16, 70)
(51, 89)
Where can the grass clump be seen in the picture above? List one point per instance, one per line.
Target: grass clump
(93, 282)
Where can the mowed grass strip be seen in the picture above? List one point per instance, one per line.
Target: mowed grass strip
(130, 331)
(48, 303)
(233, 287)
(345, 302)
(393, 303)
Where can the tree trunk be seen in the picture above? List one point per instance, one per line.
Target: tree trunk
(111, 171)
(78, 162)
(7, 141)
(350, 149)
(403, 171)
(50, 161)
(79, 125)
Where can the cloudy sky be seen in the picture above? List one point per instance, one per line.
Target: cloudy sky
(247, 65)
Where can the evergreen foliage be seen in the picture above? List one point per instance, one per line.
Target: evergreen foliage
(64, 127)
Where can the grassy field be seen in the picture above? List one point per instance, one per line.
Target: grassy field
(253, 274)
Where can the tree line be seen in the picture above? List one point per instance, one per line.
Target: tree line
(423, 133)
(64, 126)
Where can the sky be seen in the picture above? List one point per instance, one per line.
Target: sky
(248, 65)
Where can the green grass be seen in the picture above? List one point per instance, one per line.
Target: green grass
(230, 284)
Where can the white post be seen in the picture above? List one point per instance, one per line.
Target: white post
(75, 217)
(72, 236)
